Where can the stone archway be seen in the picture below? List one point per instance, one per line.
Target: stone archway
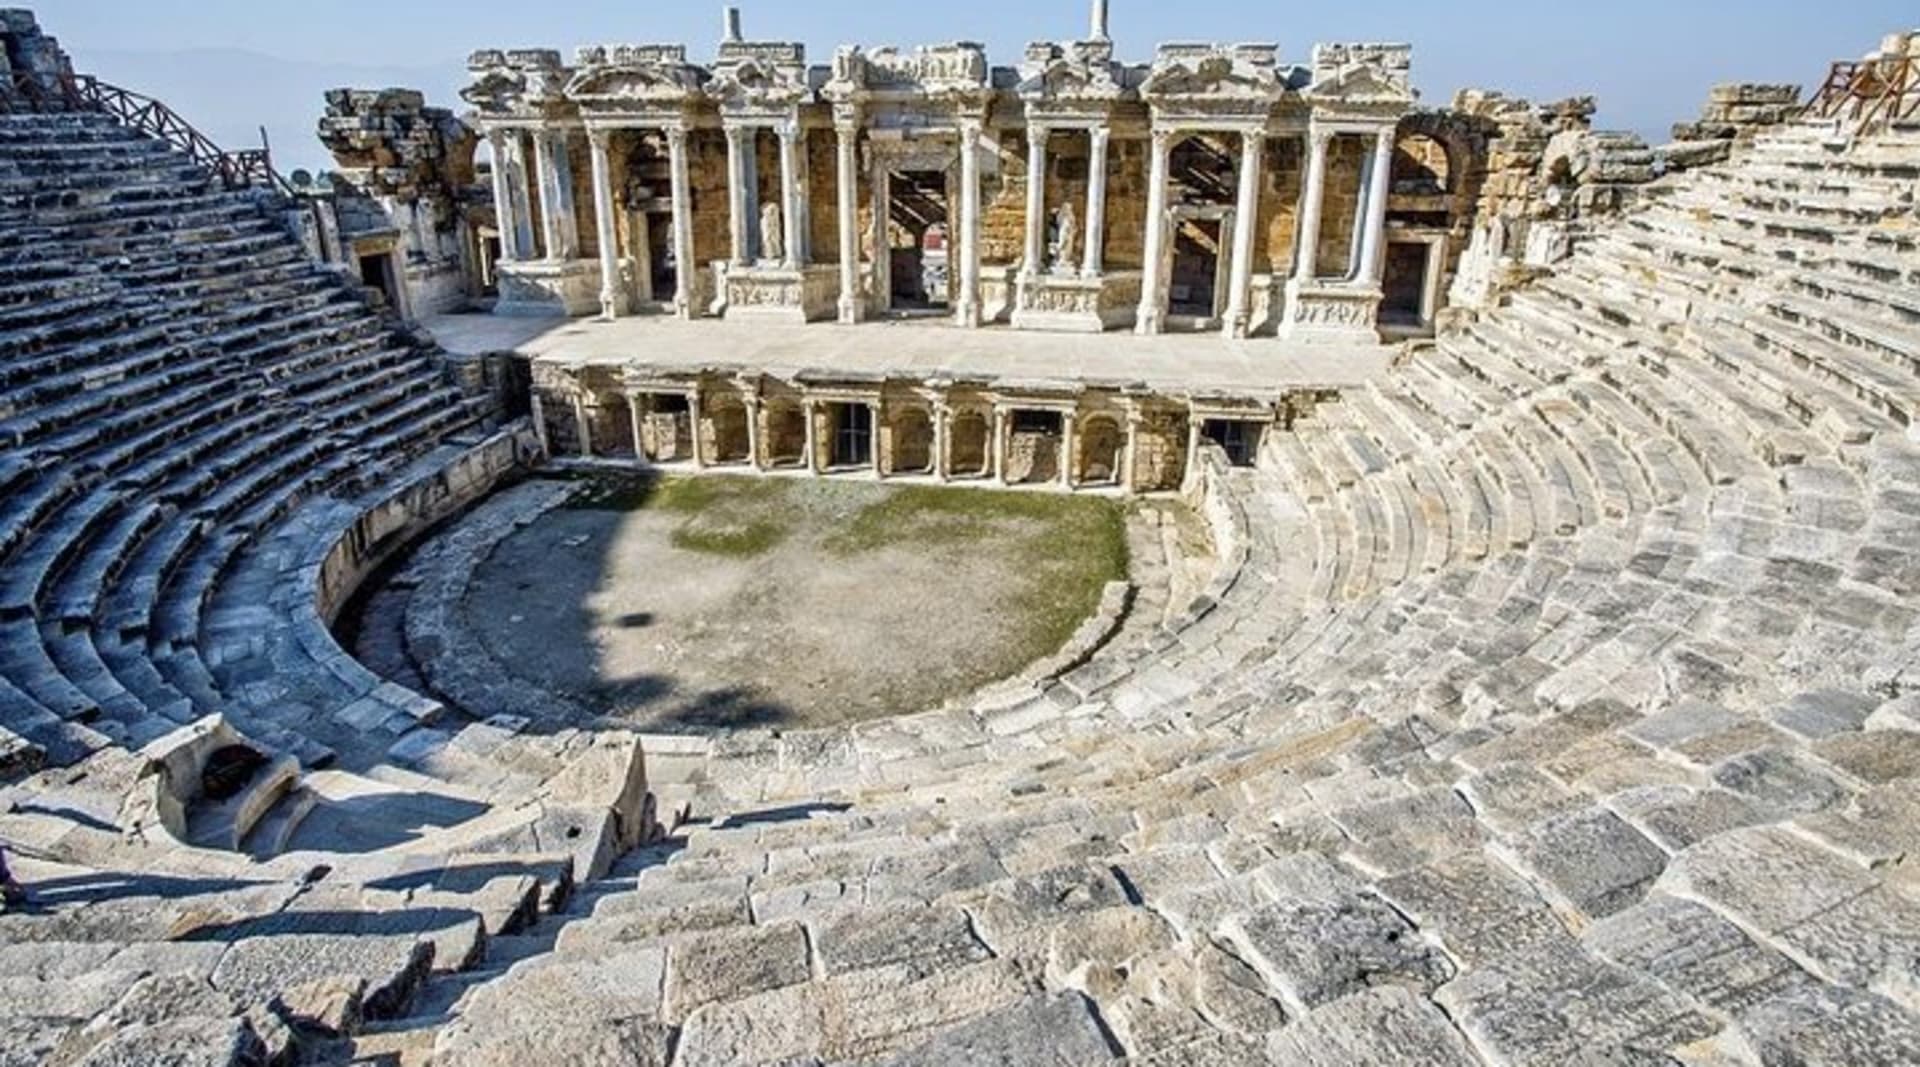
(970, 447)
(912, 442)
(1101, 447)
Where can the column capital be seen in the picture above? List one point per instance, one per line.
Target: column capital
(676, 134)
(971, 129)
(787, 131)
(600, 137)
(1321, 136)
(1038, 134)
(1100, 134)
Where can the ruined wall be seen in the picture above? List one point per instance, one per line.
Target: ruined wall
(707, 175)
(821, 171)
(1340, 208)
(1733, 115)
(1283, 179)
(1003, 215)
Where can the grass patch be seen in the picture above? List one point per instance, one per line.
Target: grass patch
(734, 542)
(1068, 548)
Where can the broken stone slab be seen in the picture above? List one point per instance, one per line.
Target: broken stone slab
(553, 1005)
(1689, 948)
(1676, 817)
(1590, 864)
(1313, 953)
(722, 965)
(1474, 906)
(184, 1042)
(612, 773)
(918, 938)
(258, 969)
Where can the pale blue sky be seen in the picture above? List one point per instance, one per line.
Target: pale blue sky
(234, 65)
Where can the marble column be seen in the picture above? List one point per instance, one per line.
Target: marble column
(1000, 445)
(1036, 246)
(611, 302)
(873, 439)
(584, 426)
(1130, 458)
(1194, 424)
(1066, 450)
(881, 284)
(791, 210)
(738, 206)
(968, 313)
(639, 440)
(942, 438)
(556, 195)
(503, 198)
(538, 414)
(682, 190)
(807, 411)
(1153, 275)
(752, 404)
(1312, 199)
(1096, 223)
(1373, 243)
(1246, 213)
(846, 195)
(697, 447)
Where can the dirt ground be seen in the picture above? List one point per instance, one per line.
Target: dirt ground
(713, 603)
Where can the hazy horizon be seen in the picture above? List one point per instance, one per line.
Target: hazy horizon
(230, 72)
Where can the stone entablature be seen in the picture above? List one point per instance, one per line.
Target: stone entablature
(1058, 236)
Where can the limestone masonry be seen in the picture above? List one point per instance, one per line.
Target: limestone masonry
(1538, 682)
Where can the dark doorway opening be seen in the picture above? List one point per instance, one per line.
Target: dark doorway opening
(852, 435)
(1239, 440)
(1196, 268)
(663, 270)
(921, 280)
(1405, 284)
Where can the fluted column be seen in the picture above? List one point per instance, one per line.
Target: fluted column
(1096, 239)
(1313, 198)
(1153, 275)
(503, 198)
(846, 195)
(1246, 212)
(1379, 189)
(791, 208)
(685, 269)
(611, 303)
(737, 204)
(969, 310)
(1036, 199)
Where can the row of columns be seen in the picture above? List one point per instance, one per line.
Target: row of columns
(942, 422)
(1093, 252)
(562, 240)
(1370, 252)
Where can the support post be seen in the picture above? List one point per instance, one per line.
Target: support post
(1307, 256)
(611, 303)
(791, 208)
(873, 439)
(1194, 423)
(881, 283)
(1096, 239)
(1000, 445)
(684, 269)
(503, 198)
(1373, 245)
(737, 205)
(1130, 458)
(1246, 212)
(942, 442)
(969, 310)
(639, 440)
(538, 413)
(752, 404)
(1153, 275)
(1067, 479)
(848, 201)
(694, 428)
(583, 426)
(1036, 200)
(808, 409)
(556, 195)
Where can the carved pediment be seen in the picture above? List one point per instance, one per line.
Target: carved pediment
(761, 80)
(936, 70)
(495, 91)
(1363, 85)
(518, 82)
(1068, 77)
(630, 75)
(1198, 73)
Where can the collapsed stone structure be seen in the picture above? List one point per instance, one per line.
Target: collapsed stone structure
(1555, 695)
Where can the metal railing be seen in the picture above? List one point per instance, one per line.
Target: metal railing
(1873, 94)
(35, 92)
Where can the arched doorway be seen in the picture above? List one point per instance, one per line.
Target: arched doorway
(1101, 446)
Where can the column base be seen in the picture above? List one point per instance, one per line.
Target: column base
(1149, 321)
(851, 311)
(1332, 312)
(550, 287)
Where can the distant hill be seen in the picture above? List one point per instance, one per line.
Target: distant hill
(230, 94)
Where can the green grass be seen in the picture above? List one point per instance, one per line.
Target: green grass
(1068, 548)
(749, 541)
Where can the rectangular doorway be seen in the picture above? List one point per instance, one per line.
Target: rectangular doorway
(1195, 279)
(1239, 439)
(852, 435)
(1405, 284)
(920, 241)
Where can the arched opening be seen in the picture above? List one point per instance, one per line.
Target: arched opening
(970, 452)
(1101, 445)
(912, 443)
(1421, 167)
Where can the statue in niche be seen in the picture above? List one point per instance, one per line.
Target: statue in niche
(773, 242)
(1066, 234)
